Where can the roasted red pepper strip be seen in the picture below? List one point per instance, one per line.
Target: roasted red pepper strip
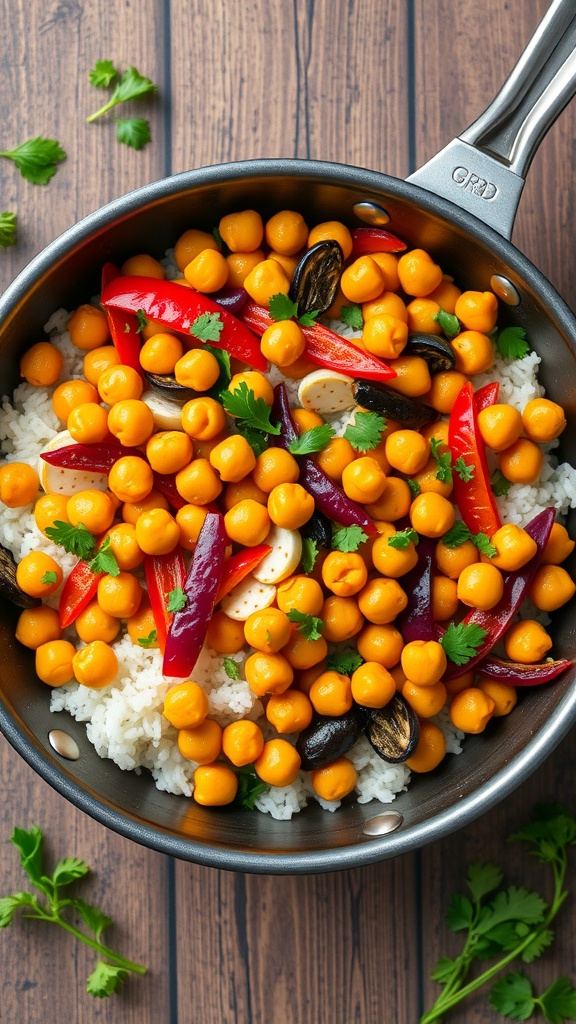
(329, 499)
(94, 458)
(325, 347)
(486, 396)
(77, 592)
(416, 622)
(164, 573)
(123, 326)
(188, 628)
(238, 566)
(497, 619)
(367, 240)
(474, 497)
(174, 306)
(517, 674)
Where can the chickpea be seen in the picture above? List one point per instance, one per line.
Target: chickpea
(203, 743)
(286, 232)
(474, 352)
(268, 673)
(380, 643)
(412, 376)
(242, 232)
(198, 483)
(331, 694)
(372, 685)
(332, 230)
(288, 263)
(382, 600)
(430, 749)
(418, 273)
(500, 426)
(342, 618)
(558, 546)
(344, 573)
(88, 328)
(169, 451)
(385, 335)
(233, 458)
(393, 503)
(452, 561)
(225, 635)
(130, 479)
(247, 523)
(207, 272)
(190, 244)
(70, 394)
(307, 676)
(444, 598)
(334, 458)
(197, 369)
(505, 697)
(480, 586)
(407, 451)
(471, 710)
(423, 662)
(42, 364)
(290, 711)
(551, 588)
(278, 764)
(48, 509)
(363, 480)
(302, 593)
(268, 631)
(387, 302)
(190, 519)
(283, 342)
(215, 785)
(254, 381)
(290, 506)
(98, 360)
(302, 654)
(273, 467)
(143, 265)
(157, 532)
(242, 742)
(363, 280)
(119, 595)
(160, 353)
(420, 316)
(203, 418)
(117, 384)
(265, 280)
(19, 484)
(446, 294)
(95, 665)
(185, 705)
(426, 701)
(335, 780)
(93, 509)
(38, 575)
(478, 311)
(526, 641)
(463, 682)
(389, 560)
(37, 626)
(88, 423)
(94, 624)
(543, 420)
(53, 662)
(132, 510)
(131, 421)
(444, 390)
(429, 482)
(514, 547)
(432, 515)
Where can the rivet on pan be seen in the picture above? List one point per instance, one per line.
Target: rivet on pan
(64, 744)
(382, 824)
(371, 213)
(505, 290)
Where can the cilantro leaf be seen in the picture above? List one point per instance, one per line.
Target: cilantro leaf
(231, 668)
(131, 86)
(483, 879)
(309, 554)
(500, 485)
(150, 640)
(177, 600)
(348, 538)
(142, 320)
(460, 912)
(243, 404)
(222, 357)
(37, 159)
(281, 307)
(365, 432)
(105, 979)
(444, 969)
(10, 904)
(309, 625)
(457, 535)
(207, 327)
(8, 228)
(313, 440)
(511, 343)
(541, 940)
(345, 661)
(103, 74)
(352, 317)
(464, 471)
(460, 642)
(257, 441)
(69, 870)
(133, 131)
(403, 538)
(49, 577)
(449, 323)
(513, 997)
(250, 787)
(484, 544)
(414, 487)
(308, 319)
(443, 461)
(558, 1002)
(92, 916)
(105, 560)
(76, 539)
(29, 845)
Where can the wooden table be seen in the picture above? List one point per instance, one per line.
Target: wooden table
(378, 83)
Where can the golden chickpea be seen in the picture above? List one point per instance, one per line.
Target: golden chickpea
(290, 711)
(94, 624)
(372, 685)
(363, 280)
(342, 618)
(394, 502)
(265, 280)
(168, 451)
(444, 390)
(120, 595)
(197, 369)
(387, 302)
(225, 635)
(268, 673)
(268, 630)
(478, 311)
(203, 743)
(49, 508)
(88, 327)
(42, 364)
(190, 519)
(543, 420)
(290, 506)
(38, 575)
(407, 451)
(380, 643)
(203, 418)
(474, 352)
(160, 353)
(117, 384)
(286, 232)
(418, 273)
(95, 665)
(278, 764)
(444, 598)
(334, 458)
(426, 701)
(88, 423)
(500, 426)
(363, 480)
(302, 593)
(190, 244)
(420, 316)
(551, 588)
(273, 467)
(331, 694)
(412, 376)
(132, 510)
(93, 509)
(207, 272)
(198, 483)
(335, 780)
(344, 573)
(514, 547)
(471, 710)
(389, 560)
(53, 662)
(70, 394)
(332, 230)
(37, 626)
(19, 484)
(157, 532)
(429, 482)
(185, 705)
(432, 515)
(558, 546)
(430, 749)
(446, 294)
(385, 335)
(283, 342)
(505, 697)
(452, 561)
(423, 662)
(382, 600)
(242, 742)
(247, 523)
(131, 421)
(233, 458)
(242, 232)
(526, 641)
(98, 360)
(480, 586)
(130, 478)
(143, 265)
(301, 653)
(215, 785)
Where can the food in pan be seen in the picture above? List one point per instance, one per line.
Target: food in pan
(285, 513)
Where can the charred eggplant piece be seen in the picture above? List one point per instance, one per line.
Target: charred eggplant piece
(393, 731)
(318, 528)
(9, 588)
(167, 385)
(327, 738)
(436, 351)
(316, 277)
(408, 412)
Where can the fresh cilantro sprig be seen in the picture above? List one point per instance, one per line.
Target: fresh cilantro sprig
(508, 924)
(131, 85)
(77, 540)
(231, 668)
(463, 470)
(207, 327)
(282, 307)
(251, 411)
(104, 560)
(460, 642)
(313, 440)
(250, 787)
(448, 322)
(511, 343)
(37, 159)
(500, 485)
(352, 317)
(365, 433)
(8, 229)
(222, 357)
(348, 538)
(414, 487)
(402, 538)
(309, 554)
(443, 461)
(176, 600)
(459, 534)
(345, 661)
(55, 905)
(309, 625)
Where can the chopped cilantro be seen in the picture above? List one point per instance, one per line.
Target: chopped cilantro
(49, 577)
(103, 74)
(365, 432)
(463, 470)
(352, 317)
(449, 323)
(309, 554)
(104, 560)
(282, 308)
(500, 485)
(8, 229)
(348, 538)
(402, 539)
(142, 320)
(250, 787)
(443, 461)
(222, 357)
(207, 327)
(313, 440)
(461, 642)
(309, 625)
(511, 343)
(150, 640)
(460, 533)
(231, 668)
(414, 487)
(254, 412)
(345, 661)
(177, 600)
(133, 131)
(308, 319)
(76, 539)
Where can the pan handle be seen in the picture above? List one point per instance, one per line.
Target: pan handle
(483, 170)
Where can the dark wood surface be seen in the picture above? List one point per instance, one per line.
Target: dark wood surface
(377, 83)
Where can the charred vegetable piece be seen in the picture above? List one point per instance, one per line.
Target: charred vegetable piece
(408, 412)
(318, 528)
(326, 738)
(9, 588)
(523, 675)
(393, 731)
(317, 277)
(166, 384)
(436, 351)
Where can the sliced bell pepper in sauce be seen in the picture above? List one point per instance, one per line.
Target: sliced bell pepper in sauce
(78, 590)
(474, 497)
(367, 240)
(486, 396)
(238, 566)
(189, 625)
(517, 674)
(325, 347)
(164, 573)
(329, 499)
(178, 308)
(123, 326)
(497, 619)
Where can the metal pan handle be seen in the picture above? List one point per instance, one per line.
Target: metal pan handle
(483, 170)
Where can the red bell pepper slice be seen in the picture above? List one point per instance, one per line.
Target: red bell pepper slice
(94, 458)
(124, 328)
(486, 396)
(164, 573)
(77, 592)
(474, 497)
(367, 240)
(188, 628)
(176, 307)
(325, 347)
(238, 566)
(516, 674)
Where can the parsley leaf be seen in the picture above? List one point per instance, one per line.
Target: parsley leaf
(243, 404)
(142, 320)
(76, 539)
(309, 554)
(231, 668)
(133, 131)
(49, 577)
(449, 323)
(105, 979)
(348, 538)
(464, 471)
(309, 625)
(403, 538)
(257, 441)
(37, 159)
(250, 787)
(177, 600)
(500, 485)
(513, 997)
(105, 561)
(131, 86)
(460, 642)
(282, 307)
(313, 440)
(443, 461)
(511, 343)
(559, 1001)
(150, 640)
(207, 327)
(459, 534)
(365, 432)
(103, 74)
(483, 879)
(352, 317)
(8, 228)
(345, 661)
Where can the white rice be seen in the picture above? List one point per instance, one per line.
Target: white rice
(124, 721)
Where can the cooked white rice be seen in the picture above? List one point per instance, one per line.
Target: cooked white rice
(124, 721)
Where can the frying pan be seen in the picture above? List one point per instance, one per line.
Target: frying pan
(461, 208)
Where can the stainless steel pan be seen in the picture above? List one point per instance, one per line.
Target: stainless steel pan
(461, 207)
